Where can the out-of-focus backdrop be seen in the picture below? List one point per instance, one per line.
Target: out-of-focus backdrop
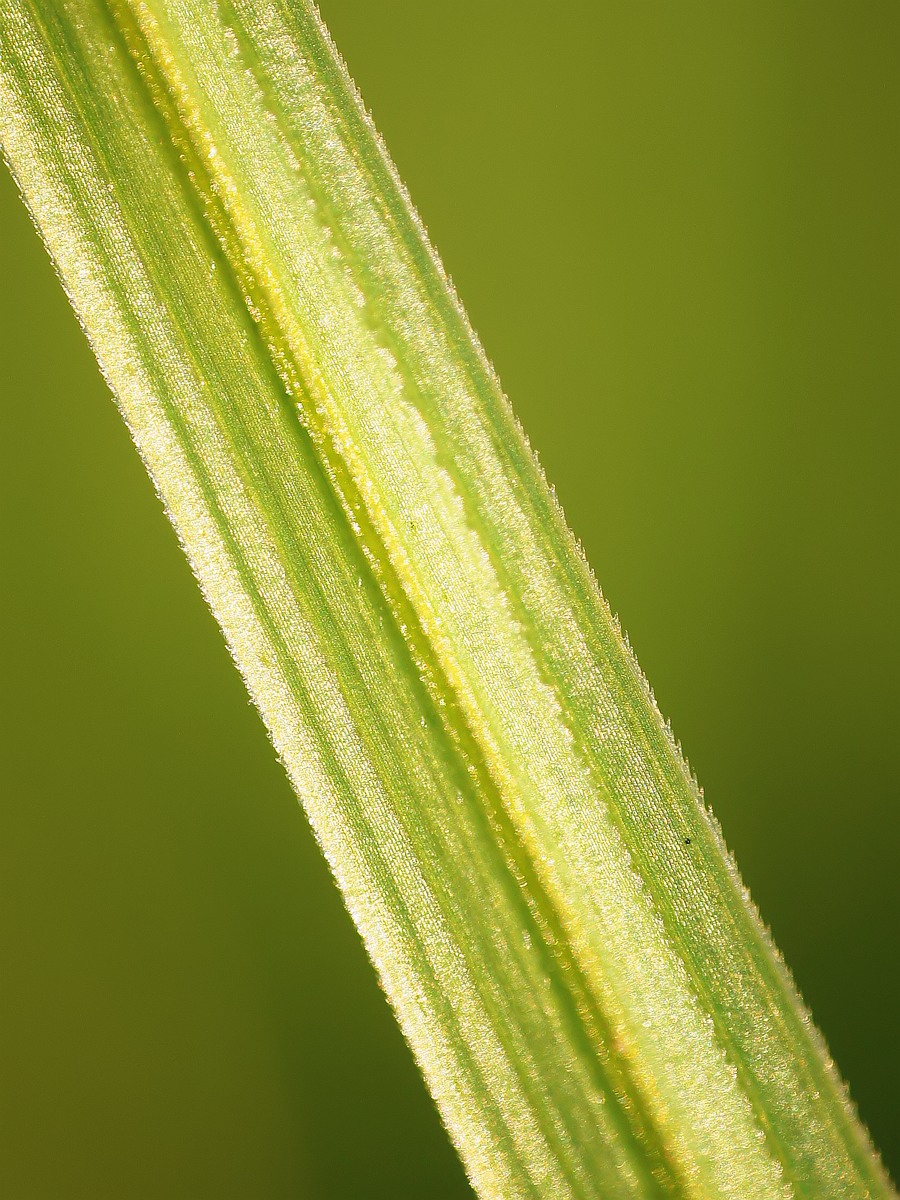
(675, 228)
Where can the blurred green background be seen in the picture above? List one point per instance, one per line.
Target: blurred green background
(675, 227)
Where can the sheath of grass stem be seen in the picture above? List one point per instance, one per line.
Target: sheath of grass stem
(593, 1001)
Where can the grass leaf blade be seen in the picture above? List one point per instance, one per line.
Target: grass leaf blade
(592, 999)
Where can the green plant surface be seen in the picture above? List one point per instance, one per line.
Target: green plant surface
(569, 950)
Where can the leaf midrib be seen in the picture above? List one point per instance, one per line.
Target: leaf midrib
(535, 904)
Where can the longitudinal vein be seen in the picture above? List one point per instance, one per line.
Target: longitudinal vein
(575, 964)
